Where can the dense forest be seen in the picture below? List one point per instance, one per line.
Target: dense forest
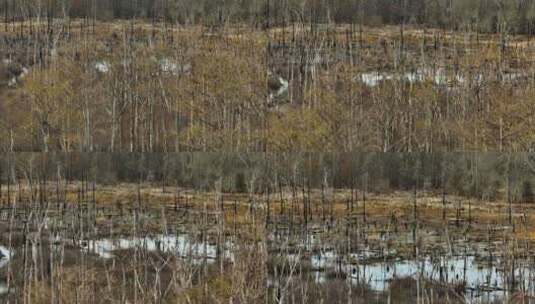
(250, 76)
(301, 76)
(483, 176)
(518, 16)
(267, 151)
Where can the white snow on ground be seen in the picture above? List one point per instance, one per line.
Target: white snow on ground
(373, 79)
(102, 66)
(438, 77)
(13, 81)
(284, 86)
(25, 72)
(5, 256)
(171, 67)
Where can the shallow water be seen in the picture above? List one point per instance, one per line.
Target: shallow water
(483, 279)
(3, 288)
(457, 263)
(179, 245)
(5, 257)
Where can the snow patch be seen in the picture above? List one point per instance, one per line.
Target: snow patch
(5, 256)
(171, 67)
(102, 66)
(438, 77)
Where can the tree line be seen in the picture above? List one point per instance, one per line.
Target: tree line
(485, 176)
(517, 16)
